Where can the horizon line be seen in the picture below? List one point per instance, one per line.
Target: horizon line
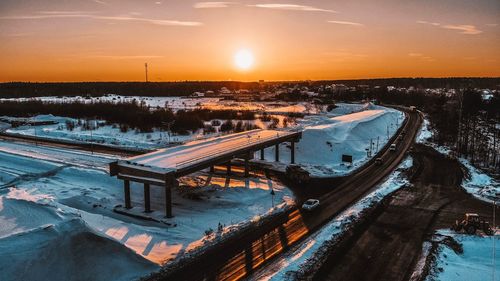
(254, 81)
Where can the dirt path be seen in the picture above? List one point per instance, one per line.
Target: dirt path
(388, 246)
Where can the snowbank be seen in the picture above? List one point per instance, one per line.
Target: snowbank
(480, 184)
(325, 141)
(425, 133)
(474, 264)
(40, 242)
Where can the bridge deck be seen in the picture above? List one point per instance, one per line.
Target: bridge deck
(180, 158)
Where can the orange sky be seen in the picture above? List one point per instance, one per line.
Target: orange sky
(110, 40)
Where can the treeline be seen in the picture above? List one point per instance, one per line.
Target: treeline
(27, 89)
(479, 129)
(420, 82)
(129, 115)
(21, 89)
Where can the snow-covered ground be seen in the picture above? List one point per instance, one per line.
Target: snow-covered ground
(325, 138)
(480, 184)
(48, 206)
(305, 253)
(112, 136)
(476, 263)
(103, 134)
(185, 103)
(425, 134)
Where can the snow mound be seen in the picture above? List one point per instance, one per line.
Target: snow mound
(17, 216)
(348, 108)
(474, 264)
(323, 145)
(38, 242)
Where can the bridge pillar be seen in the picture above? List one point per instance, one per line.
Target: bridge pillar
(169, 183)
(292, 156)
(126, 191)
(262, 154)
(229, 168)
(247, 165)
(212, 169)
(147, 198)
(277, 152)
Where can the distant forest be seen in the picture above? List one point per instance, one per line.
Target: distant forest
(133, 115)
(26, 89)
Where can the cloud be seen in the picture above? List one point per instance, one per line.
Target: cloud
(346, 23)
(68, 14)
(421, 56)
(114, 57)
(65, 12)
(292, 7)
(342, 55)
(210, 5)
(415, 55)
(429, 23)
(464, 28)
(492, 24)
(100, 2)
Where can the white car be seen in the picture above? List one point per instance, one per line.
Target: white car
(310, 204)
(392, 147)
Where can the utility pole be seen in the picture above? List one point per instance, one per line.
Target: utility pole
(494, 233)
(458, 144)
(371, 144)
(146, 69)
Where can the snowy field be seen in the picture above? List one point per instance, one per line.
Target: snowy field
(185, 103)
(305, 253)
(476, 263)
(48, 206)
(112, 136)
(325, 138)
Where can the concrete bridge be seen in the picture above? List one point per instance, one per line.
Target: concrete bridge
(164, 166)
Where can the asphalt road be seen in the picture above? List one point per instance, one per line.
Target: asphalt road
(239, 258)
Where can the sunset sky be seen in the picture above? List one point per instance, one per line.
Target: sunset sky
(110, 40)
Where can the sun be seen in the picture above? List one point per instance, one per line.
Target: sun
(243, 59)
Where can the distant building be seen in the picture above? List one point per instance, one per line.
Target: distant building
(197, 95)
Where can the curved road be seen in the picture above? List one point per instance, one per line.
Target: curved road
(239, 258)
